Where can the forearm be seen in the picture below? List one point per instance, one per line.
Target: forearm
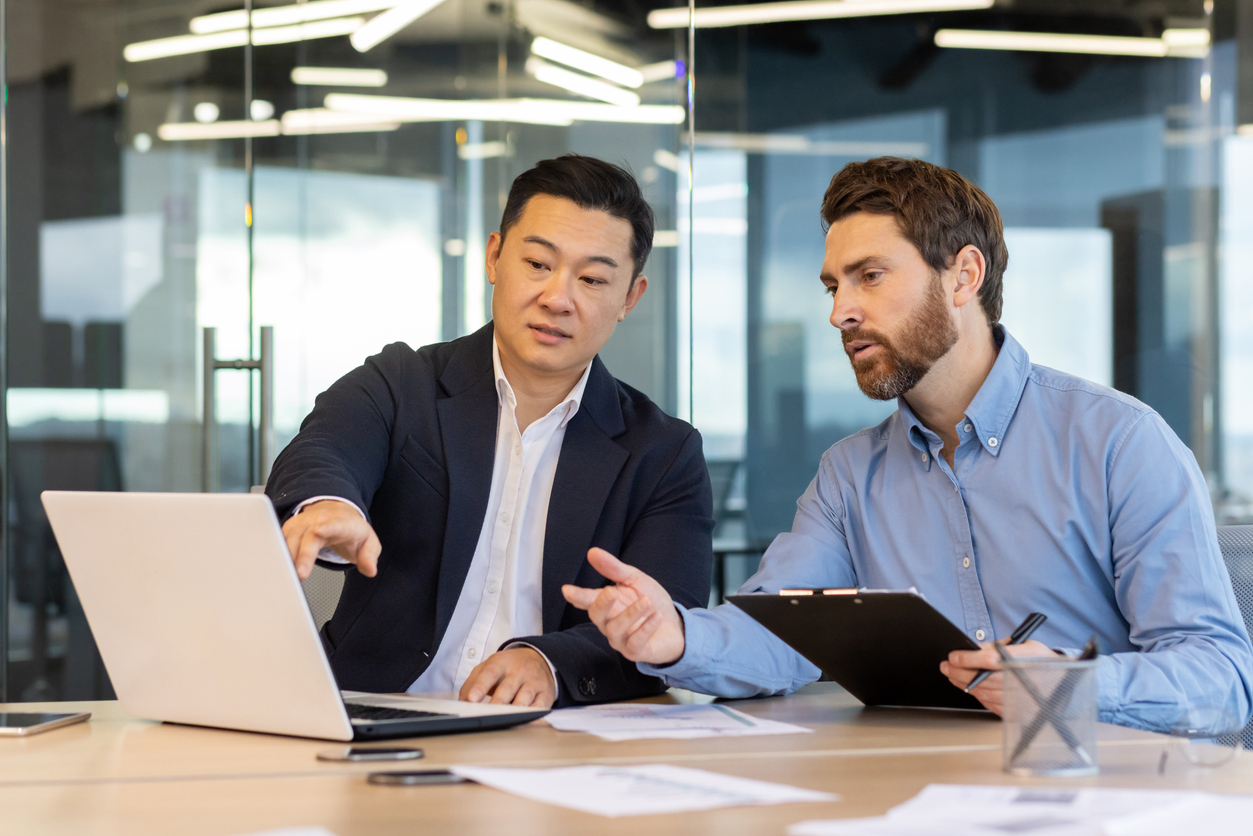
(728, 654)
(588, 669)
(1195, 684)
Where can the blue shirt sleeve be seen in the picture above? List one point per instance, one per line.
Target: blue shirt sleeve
(1195, 664)
(727, 653)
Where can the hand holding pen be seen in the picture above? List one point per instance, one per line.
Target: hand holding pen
(1025, 630)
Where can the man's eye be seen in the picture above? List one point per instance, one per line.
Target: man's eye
(831, 289)
(535, 265)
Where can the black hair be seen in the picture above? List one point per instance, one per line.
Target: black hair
(590, 184)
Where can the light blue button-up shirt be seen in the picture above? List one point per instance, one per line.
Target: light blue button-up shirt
(1065, 498)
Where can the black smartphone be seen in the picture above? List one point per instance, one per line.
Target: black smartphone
(21, 725)
(416, 779)
(358, 754)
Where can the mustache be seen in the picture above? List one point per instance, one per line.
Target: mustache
(866, 334)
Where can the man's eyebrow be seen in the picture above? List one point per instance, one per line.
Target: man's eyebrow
(544, 242)
(859, 264)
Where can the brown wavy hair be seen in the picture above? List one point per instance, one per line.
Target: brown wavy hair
(936, 209)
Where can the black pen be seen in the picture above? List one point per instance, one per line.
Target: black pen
(1029, 625)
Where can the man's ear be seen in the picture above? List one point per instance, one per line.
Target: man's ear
(633, 296)
(969, 268)
(494, 243)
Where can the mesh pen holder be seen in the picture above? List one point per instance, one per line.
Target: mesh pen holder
(1050, 717)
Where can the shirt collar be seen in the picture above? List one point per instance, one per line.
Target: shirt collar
(994, 404)
(570, 405)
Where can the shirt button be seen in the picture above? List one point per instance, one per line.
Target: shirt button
(493, 587)
(992, 442)
(979, 634)
(517, 449)
(504, 516)
(967, 427)
(965, 563)
(924, 457)
(472, 652)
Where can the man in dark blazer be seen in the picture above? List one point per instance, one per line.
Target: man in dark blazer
(468, 480)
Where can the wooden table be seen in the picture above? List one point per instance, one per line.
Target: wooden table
(126, 776)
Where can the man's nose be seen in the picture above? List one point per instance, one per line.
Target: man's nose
(845, 313)
(556, 296)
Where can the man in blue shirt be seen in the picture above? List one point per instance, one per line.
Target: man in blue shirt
(997, 488)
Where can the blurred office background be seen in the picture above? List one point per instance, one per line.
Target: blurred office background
(335, 174)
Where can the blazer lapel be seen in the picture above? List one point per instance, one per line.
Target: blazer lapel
(589, 465)
(467, 421)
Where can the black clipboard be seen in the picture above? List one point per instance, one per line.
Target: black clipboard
(884, 647)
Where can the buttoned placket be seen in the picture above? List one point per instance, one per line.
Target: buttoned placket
(521, 448)
(975, 613)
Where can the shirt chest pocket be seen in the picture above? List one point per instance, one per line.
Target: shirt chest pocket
(424, 466)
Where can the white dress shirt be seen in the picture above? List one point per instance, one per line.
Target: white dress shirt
(501, 596)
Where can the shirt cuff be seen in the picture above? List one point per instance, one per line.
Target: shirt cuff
(329, 555)
(693, 661)
(547, 661)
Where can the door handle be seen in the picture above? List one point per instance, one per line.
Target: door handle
(258, 471)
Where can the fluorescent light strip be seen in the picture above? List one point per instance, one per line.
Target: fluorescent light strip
(188, 131)
(482, 150)
(529, 111)
(390, 22)
(803, 10)
(317, 120)
(661, 71)
(307, 31)
(803, 145)
(587, 62)
(1050, 42)
(581, 84)
(403, 109)
(286, 15)
(338, 77)
(190, 44)
(183, 45)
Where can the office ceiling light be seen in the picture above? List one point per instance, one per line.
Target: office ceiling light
(404, 109)
(1186, 43)
(188, 131)
(307, 31)
(189, 44)
(338, 77)
(1052, 42)
(581, 84)
(183, 45)
(317, 120)
(390, 22)
(483, 150)
(206, 113)
(587, 62)
(530, 111)
(677, 18)
(661, 71)
(287, 15)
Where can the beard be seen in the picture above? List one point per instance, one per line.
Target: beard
(904, 360)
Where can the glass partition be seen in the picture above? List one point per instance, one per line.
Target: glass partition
(330, 169)
(1121, 178)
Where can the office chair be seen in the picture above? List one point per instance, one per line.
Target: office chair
(322, 588)
(1236, 544)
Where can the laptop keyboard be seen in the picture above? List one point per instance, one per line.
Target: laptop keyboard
(358, 711)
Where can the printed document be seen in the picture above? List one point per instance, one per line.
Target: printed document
(997, 811)
(637, 721)
(637, 790)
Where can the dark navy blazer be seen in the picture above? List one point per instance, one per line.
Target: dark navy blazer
(410, 437)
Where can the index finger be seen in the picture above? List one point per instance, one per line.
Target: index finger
(985, 657)
(611, 567)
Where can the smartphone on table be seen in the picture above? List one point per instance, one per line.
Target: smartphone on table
(24, 724)
(420, 778)
(366, 754)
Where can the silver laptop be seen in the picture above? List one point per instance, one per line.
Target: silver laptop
(200, 619)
